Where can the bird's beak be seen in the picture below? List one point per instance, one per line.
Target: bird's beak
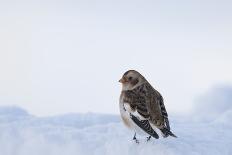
(122, 80)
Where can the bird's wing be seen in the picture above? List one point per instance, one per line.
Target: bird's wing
(145, 126)
(137, 103)
(160, 115)
(150, 106)
(157, 109)
(163, 111)
(139, 114)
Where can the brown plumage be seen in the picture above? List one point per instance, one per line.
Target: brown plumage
(145, 105)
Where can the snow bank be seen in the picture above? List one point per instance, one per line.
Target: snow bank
(95, 134)
(214, 103)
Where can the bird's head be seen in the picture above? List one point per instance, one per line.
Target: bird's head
(131, 79)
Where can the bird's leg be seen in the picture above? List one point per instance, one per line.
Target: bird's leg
(148, 138)
(135, 139)
(134, 136)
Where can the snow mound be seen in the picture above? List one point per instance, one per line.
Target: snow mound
(12, 110)
(81, 120)
(98, 134)
(95, 134)
(12, 113)
(212, 105)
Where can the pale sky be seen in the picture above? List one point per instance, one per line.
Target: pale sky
(67, 56)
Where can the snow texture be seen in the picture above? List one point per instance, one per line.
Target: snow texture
(98, 134)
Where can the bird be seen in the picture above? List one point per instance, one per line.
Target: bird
(142, 107)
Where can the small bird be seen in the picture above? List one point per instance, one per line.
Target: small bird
(141, 106)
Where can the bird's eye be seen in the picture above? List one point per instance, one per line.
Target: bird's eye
(130, 78)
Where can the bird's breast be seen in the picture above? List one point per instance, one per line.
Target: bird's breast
(124, 107)
(125, 116)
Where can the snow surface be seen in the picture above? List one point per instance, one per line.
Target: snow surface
(98, 134)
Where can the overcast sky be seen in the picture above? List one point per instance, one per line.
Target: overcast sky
(68, 55)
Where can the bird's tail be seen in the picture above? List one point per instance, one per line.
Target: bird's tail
(166, 132)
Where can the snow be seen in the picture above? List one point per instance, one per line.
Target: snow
(99, 134)
(212, 104)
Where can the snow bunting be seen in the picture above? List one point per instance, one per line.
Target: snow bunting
(141, 106)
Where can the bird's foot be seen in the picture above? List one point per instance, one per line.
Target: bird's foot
(148, 138)
(135, 139)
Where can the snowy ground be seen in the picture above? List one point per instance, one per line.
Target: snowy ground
(90, 134)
